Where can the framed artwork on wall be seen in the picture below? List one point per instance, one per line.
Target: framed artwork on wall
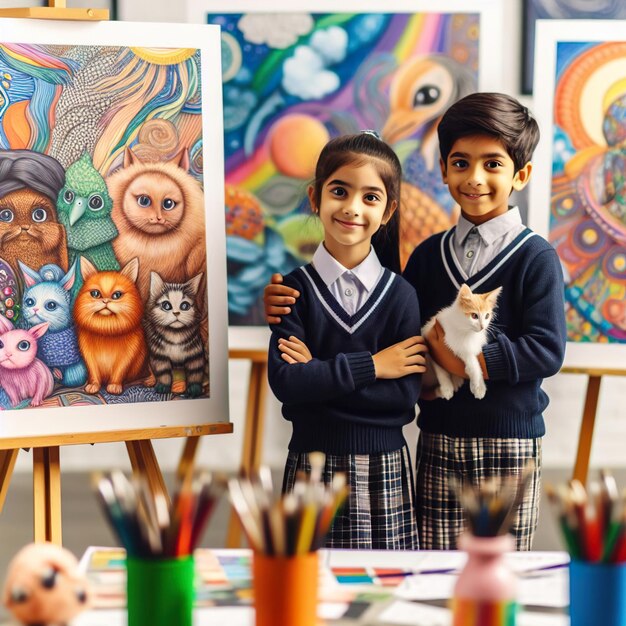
(112, 256)
(306, 72)
(534, 10)
(578, 193)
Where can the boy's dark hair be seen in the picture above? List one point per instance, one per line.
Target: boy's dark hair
(495, 114)
(358, 149)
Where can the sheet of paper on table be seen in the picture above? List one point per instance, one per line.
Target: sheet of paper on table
(403, 613)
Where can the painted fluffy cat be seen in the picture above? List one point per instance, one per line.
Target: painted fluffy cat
(158, 209)
(22, 374)
(47, 299)
(108, 313)
(465, 323)
(172, 331)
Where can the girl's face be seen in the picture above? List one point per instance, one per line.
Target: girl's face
(352, 209)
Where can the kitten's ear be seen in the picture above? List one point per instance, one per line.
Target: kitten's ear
(130, 158)
(87, 268)
(194, 283)
(182, 159)
(67, 282)
(156, 285)
(492, 297)
(38, 330)
(131, 269)
(465, 293)
(31, 277)
(5, 324)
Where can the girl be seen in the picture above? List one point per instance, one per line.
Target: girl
(345, 387)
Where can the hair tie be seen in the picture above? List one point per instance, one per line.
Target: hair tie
(371, 132)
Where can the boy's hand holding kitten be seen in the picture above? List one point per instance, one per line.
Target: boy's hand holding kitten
(456, 336)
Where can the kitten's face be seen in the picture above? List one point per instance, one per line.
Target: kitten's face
(18, 349)
(108, 303)
(154, 203)
(45, 303)
(174, 309)
(478, 308)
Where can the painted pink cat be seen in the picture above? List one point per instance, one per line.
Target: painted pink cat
(22, 374)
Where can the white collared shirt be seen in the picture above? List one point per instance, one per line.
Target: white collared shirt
(476, 246)
(351, 288)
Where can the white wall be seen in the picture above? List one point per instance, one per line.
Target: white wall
(566, 391)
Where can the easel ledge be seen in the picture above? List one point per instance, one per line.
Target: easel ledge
(113, 436)
(56, 10)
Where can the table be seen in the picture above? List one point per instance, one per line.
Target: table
(352, 594)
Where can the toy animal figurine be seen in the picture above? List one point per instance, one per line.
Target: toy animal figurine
(44, 586)
(22, 374)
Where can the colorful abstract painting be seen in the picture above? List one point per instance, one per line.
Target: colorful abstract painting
(587, 197)
(103, 225)
(562, 10)
(293, 81)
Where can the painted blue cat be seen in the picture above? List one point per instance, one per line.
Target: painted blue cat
(47, 299)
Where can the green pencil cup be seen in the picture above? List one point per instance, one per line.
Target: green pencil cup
(160, 592)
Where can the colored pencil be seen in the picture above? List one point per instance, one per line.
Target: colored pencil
(295, 523)
(593, 520)
(145, 525)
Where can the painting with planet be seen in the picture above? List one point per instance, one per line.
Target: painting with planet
(588, 210)
(292, 82)
(580, 189)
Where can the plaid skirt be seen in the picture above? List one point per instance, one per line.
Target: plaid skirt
(379, 513)
(472, 459)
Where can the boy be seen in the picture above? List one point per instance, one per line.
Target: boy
(486, 141)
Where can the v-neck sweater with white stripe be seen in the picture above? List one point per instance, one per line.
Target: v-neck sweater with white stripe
(527, 341)
(334, 401)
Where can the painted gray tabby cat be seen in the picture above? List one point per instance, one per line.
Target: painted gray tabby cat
(172, 325)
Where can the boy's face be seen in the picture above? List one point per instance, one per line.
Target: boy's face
(481, 175)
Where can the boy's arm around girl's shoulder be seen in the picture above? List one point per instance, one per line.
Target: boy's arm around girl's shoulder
(318, 380)
(539, 350)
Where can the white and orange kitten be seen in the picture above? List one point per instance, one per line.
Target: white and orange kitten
(465, 323)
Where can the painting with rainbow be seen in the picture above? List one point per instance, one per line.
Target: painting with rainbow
(292, 81)
(103, 225)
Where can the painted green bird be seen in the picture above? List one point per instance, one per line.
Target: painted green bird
(84, 208)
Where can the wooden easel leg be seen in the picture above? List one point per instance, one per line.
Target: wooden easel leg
(252, 438)
(7, 463)
(144, 464)
(47, 495)
(186, 462)
(581, 467)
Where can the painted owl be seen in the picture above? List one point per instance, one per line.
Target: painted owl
(84, 208)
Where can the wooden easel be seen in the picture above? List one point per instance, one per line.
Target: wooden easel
(581, 467)
(46, 457)
(253, 427)
(56, 10)
(47, 469)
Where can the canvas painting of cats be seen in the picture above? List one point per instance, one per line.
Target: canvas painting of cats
(111, 315)
(466, 325)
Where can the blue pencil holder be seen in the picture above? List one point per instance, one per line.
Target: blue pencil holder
(597, 593)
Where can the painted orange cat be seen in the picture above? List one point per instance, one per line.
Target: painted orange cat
(108, 313)
(158, 209)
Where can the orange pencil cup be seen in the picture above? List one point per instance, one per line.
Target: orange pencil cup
(285, 589)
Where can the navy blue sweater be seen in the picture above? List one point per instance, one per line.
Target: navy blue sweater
(527, 342)
(334, 401)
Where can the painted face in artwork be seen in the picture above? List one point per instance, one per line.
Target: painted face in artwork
(29, 228)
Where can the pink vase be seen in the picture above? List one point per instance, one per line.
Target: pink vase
(486, 591)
